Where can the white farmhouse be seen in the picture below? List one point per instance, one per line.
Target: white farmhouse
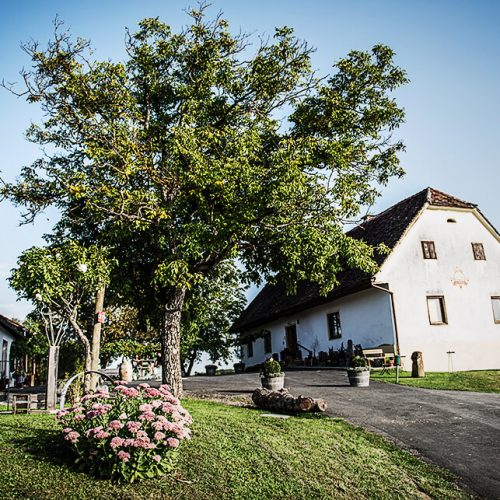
(9, 331)
(437, 291)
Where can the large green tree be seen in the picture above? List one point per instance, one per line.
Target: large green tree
(201, 147)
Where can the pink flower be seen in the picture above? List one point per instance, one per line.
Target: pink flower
(72, 436)
(173, 442)
(142, 435)
(143, 386)
(133, 427)
(116, 442)
(115, 425)
(157, 426)
(145, 407)
(123, 416)
(123, 456)
(61, 414)
(130, 392)
(80, 416)
(159, 436)
(156, 403)
(156, 458)
(152, 392)
(167, 408)
(67, 429)
(149, 416)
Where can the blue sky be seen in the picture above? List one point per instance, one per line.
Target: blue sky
(450, 49)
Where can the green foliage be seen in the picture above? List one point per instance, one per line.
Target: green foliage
(359, 362)
(181, 144)
(60, 275)
(301, 457)
(271, 368)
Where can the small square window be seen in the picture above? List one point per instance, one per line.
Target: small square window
(250, 349)
(495, 303)
(334, 328)
(436, 310)
(478, 251)
(429, 250)
(267, 342)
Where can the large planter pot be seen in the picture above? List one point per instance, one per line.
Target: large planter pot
(359, 378)
(211, 369)
(273, 383)
(239, 367)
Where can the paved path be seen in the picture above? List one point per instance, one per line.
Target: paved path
(456, 430)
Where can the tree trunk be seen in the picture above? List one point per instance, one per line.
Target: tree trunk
(192, 359)
(96, 337)
(52, 369)
(283, 401)
(170, 334)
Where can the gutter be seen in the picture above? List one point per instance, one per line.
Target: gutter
(391, 294)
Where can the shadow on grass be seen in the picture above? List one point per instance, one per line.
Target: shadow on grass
(47, 445)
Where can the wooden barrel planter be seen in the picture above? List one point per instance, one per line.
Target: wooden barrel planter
(359, 378)
(273, 383)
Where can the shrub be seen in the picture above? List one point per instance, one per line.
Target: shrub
(130, 435)
(271, 368)
(359, 363)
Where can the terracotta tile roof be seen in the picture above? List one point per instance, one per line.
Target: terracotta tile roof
(13, 327)
(387, 227)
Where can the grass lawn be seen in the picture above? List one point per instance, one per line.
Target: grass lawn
(480, 381)
(234, 453)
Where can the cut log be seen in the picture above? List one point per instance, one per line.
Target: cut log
(283, 401)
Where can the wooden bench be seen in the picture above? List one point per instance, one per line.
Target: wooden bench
(24, 402)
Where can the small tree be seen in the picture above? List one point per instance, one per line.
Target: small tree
(60, 280)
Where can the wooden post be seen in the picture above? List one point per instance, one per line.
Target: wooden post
(96, 338)
(417, 369)
(52, 368)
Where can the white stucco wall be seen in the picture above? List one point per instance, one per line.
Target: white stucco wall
(471, 331)
(365, 318)
(8, 337)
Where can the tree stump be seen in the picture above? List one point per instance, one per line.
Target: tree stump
(417, 369)
(283, 401)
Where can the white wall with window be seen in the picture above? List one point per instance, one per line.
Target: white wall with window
(6, 340)
(444, 292)
(364, 317)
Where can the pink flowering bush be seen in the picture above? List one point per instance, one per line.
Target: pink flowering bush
(130, 435)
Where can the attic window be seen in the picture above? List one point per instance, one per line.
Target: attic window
(452, 221)
(478, 251)
(429, 250)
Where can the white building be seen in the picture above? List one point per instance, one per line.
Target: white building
(437, 291)
(9, 331)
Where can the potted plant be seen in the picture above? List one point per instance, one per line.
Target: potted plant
(359, 372)
(239, 367)
(211, 369)
(271, 376)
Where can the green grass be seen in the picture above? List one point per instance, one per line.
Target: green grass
(234, 453)
(479, 381)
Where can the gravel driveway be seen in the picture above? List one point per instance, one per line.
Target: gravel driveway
(456, 430)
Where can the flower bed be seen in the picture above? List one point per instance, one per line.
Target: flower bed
(131, 436)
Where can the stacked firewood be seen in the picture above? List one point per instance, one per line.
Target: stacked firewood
(283, 401)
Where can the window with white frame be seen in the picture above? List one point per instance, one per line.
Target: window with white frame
(495, 303)
(437, 310)
(334, 328)
(267, 343)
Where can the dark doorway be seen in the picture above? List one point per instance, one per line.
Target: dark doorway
(291, 340)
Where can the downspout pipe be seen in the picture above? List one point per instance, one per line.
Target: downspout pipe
(391, 295)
